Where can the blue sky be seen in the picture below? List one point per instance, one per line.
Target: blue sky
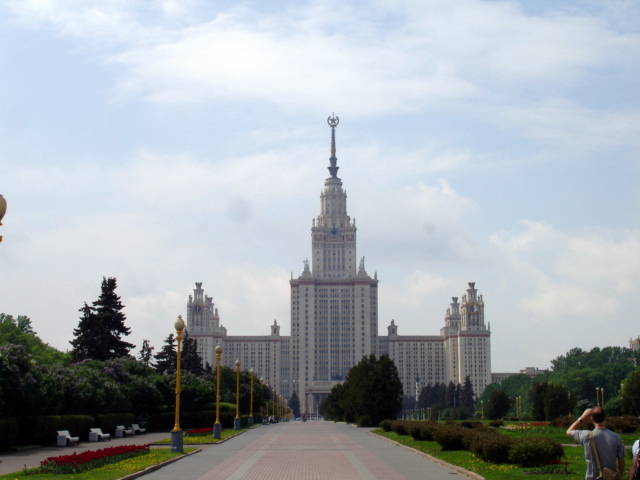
(165, 143)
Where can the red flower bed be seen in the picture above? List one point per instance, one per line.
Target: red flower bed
(78, 462)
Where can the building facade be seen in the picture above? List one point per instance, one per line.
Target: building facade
(334, 321)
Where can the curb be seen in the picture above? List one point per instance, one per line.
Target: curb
(153, 468)
(434, 459)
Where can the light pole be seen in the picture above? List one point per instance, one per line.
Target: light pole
(217, 428)
(176, 433)
(597, 395)
(236, 421)
(3, 210)
(252, 372)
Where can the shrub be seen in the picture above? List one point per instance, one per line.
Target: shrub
(496, 423)
(626, 424)
(415, 431)
(471, 424)
(8, 432)
(427, 428)
(450, 437)
(399, 427)
(386, 425)
(535, 451)
(494, 448)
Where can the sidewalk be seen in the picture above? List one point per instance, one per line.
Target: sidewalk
(15, 461)
(313, 450)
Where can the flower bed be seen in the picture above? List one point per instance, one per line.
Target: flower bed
(79, 462)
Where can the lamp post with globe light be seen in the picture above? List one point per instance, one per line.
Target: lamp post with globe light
(217, 427)
(176, 433)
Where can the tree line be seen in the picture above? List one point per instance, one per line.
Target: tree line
(577, 380)
(100, 375)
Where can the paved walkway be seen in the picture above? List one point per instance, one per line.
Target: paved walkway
(304, 451)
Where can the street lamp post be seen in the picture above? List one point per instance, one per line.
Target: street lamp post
(217, 427)
(176, 433)
(236, 421)
(598, 396)
(252, 372)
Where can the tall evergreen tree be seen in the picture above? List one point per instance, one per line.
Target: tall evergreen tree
(294, 404)
(99, 333)
(191, 360)
(166, 357)
(467, 397)
(146, 353)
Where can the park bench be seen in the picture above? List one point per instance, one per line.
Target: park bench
(65, 438)
(95, 435)
(137, 430)
(121, 431)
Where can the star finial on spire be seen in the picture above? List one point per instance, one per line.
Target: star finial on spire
(333, 123)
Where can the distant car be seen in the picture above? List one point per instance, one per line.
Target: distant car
(298, 419)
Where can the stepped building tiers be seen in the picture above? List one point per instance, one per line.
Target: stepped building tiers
(334, 321)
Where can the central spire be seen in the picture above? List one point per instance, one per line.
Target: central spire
(333, 123)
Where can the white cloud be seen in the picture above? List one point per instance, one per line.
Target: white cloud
(574, 277)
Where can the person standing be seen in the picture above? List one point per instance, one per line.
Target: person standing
(608, 443)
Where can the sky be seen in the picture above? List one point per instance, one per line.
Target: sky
(172, 142)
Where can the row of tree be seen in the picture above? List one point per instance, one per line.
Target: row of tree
(577, 380)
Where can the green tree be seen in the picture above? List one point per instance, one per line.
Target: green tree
(191, 360)
(631, 396)
(18, 331)
(294, 404)
(146, 353)
(371, 392)
(499, 404)
(99, 333)
(467, 397)
(166, 357)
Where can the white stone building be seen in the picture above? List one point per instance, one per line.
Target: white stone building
(334, 321)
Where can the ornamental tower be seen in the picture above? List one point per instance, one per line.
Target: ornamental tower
(334, 304)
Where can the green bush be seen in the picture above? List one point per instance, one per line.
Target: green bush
(626, 424)
(427, 428)
(535, 451)
(496, 423)
(386, 425)
(399, 427)
(450, 437)
(470, 424)
(415, 430)
(495, 448)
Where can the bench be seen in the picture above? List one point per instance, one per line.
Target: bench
(65, 438)
(137, 430)
(95, 435)
(121, 431)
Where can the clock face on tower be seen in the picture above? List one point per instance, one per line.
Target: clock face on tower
(473, 308)
(197, 308)
(334, 232)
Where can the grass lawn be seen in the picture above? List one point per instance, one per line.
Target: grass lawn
(107, 472)
(202, 439)
(490, 471)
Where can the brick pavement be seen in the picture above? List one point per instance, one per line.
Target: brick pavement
(312, 450)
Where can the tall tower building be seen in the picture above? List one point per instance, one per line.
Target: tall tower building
(334, 305)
